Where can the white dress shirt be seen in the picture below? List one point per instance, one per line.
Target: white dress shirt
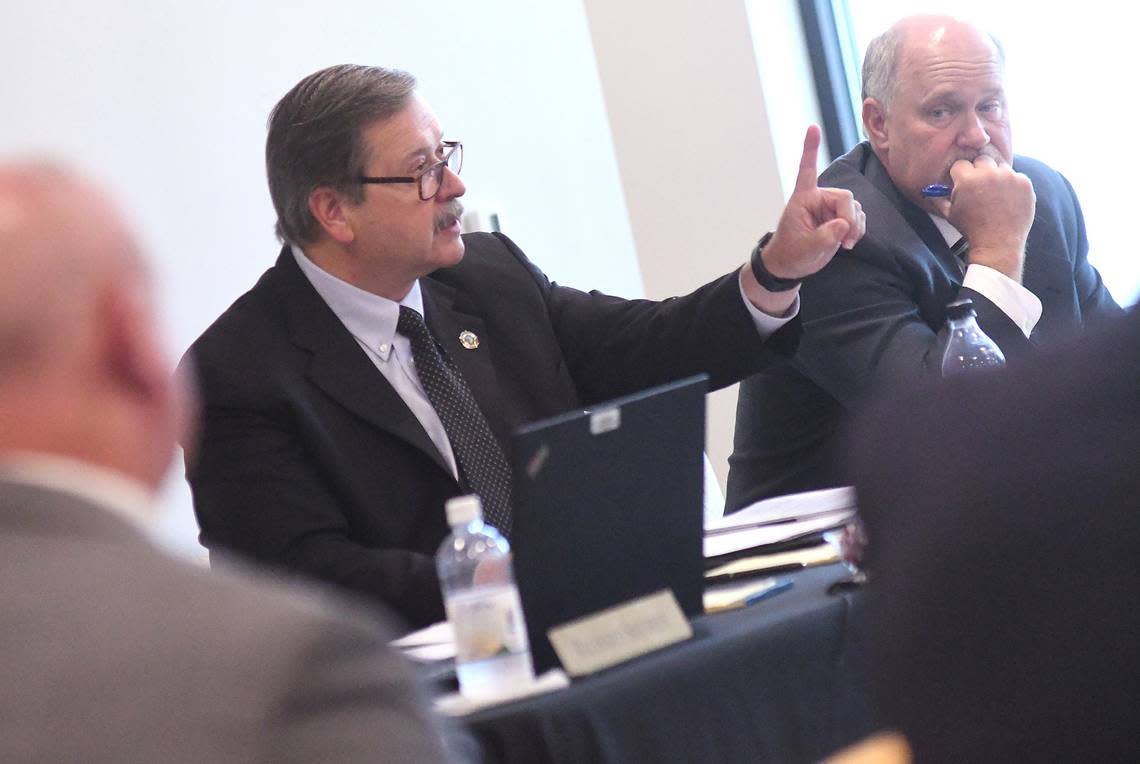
(371, 320)
(1022, 306)
(766, 325)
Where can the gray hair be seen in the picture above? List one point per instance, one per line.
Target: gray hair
(881, 61)
(880, 64)
(316, 138)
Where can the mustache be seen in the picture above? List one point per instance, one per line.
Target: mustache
(451, 212)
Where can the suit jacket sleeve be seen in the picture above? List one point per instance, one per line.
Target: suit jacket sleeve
(1092, 295)
(258, 490)
(614, 346)
(867, 326)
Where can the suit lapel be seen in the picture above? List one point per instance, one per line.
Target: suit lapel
(913, 218)
(339, 366)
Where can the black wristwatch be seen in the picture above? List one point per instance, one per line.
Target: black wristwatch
(766, 279)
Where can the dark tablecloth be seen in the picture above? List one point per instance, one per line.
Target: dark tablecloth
(782, 680)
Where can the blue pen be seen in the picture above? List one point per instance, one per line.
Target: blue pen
(936, 189)
(781, 585)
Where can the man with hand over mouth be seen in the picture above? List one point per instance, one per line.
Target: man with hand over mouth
(952, 213)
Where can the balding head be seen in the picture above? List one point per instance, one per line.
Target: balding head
(80, 371)
(935, 95)
(59, 240)
(887, 52)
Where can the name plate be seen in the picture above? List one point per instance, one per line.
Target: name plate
(619, 633)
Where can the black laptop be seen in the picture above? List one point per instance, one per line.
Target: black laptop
(608, 507)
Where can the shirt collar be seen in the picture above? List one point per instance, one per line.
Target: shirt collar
(370, 318)
(109, 489)
(948, 231)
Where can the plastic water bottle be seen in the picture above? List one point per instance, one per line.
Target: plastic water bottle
(474, 563)
(964, 345)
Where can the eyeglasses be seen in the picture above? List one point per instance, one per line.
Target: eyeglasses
(430, 179)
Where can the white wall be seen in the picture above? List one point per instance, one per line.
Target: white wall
(166, 102)
(708, 103)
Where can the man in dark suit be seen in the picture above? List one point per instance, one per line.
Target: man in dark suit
(336, 425)
(935, 111)
(112, 650)
(1002, 604)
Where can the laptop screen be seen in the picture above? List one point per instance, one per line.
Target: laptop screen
(608, 507)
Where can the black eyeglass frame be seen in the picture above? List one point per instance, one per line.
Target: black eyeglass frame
(451, 148)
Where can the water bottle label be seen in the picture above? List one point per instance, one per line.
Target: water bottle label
(487, 622)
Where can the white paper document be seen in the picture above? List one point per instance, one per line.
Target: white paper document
(779, 519)
(454, 704)
(429, 644)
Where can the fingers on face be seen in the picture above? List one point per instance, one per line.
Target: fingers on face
(985, 167)
(961, 169)
(990, 151)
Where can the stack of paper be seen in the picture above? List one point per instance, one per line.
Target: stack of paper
(775, 562)
(779, 524)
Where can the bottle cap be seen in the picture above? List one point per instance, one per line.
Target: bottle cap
(463, 509)
(961, 309)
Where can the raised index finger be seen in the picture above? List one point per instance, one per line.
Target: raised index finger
(805, 178)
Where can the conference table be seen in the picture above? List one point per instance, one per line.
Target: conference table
(781, 680)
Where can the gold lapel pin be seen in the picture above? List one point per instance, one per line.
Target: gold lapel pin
(468, 339)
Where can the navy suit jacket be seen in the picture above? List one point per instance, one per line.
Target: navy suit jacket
(310, 461)
(871, 319)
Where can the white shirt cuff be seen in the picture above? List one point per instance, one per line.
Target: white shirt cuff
(768, 325)
(1014, 300)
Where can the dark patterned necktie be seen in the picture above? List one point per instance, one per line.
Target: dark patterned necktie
(480, 458)
(960, 251)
